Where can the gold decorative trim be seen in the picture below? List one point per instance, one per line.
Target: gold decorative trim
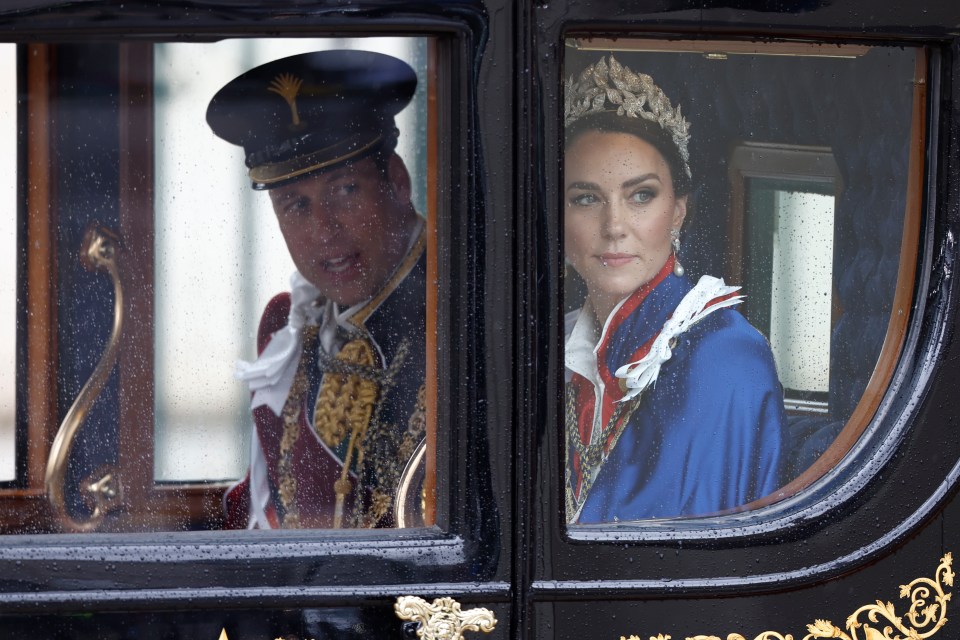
(443, 619)
(923, 619)
(344, 405)
(405, 267)
(345, 402)
(270, 173)
(288, 86)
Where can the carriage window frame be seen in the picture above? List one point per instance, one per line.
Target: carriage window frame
(836, 476)
(23, 501)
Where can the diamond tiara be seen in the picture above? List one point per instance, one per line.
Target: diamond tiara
(602, 88)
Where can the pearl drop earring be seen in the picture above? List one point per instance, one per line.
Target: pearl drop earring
(675, 241)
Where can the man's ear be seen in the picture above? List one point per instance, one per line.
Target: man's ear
(399, 178)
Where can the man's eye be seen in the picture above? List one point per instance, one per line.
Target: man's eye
(347, 189)
(297, 205)
(584, 200)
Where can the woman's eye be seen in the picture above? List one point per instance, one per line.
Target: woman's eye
(584, 200)
(643, 196)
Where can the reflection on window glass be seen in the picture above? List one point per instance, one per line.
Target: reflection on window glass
(684, 163)
(8, 264)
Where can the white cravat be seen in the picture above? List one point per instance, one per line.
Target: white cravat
(271, 375)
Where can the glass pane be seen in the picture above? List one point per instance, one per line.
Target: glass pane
(250, 195)
(689, 395)
(203, 423)
(202, 415)
(8, 262)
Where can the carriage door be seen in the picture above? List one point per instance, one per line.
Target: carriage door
(818, 189)
(138, 262)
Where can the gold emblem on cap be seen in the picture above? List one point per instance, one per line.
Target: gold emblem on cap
(288, 86)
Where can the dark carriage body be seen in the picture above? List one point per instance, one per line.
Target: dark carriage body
(878, 513)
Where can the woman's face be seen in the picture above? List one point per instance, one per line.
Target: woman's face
(618, 213)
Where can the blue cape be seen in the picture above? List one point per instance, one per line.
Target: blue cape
(709, 436)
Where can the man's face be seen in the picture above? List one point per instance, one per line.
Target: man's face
(347, 228)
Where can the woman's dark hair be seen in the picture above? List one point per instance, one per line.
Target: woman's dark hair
(650, 132)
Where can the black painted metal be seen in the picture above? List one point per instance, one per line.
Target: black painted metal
(881, 521)
(470, 552)
(888, 493)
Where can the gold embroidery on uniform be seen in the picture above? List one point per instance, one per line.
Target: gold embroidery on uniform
(344, 406)
(290, 518)
(351, 405)
(380, 450)
(416, 427)
(388, 450)
(380, 504)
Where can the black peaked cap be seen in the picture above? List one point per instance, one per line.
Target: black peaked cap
(311, 111)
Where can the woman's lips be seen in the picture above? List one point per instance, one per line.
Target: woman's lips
(616, 259)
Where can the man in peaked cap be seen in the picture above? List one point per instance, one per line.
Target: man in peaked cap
(338, 385)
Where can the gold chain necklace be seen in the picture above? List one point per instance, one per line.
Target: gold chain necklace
(592, 455)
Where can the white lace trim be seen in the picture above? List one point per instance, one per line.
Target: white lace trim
(640, 375)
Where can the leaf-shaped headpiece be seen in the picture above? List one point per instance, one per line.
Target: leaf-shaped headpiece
(614, 87)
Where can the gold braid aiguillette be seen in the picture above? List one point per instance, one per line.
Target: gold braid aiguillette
(346, 399)
(344, 406)
(292, 409)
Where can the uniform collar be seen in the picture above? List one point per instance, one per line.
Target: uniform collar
(271, 374)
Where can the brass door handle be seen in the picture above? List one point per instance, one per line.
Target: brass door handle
(98, 252)
(409, 499)
(443, 618)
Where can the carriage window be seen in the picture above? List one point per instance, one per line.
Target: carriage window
(740, 254)
(240, 236)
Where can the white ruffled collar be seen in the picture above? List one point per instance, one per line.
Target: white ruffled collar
(271, 374)
(584, 336)
(694, 307)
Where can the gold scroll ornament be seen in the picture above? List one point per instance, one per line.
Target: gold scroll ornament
(98, 252)
(879, 621)
(443, 618)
